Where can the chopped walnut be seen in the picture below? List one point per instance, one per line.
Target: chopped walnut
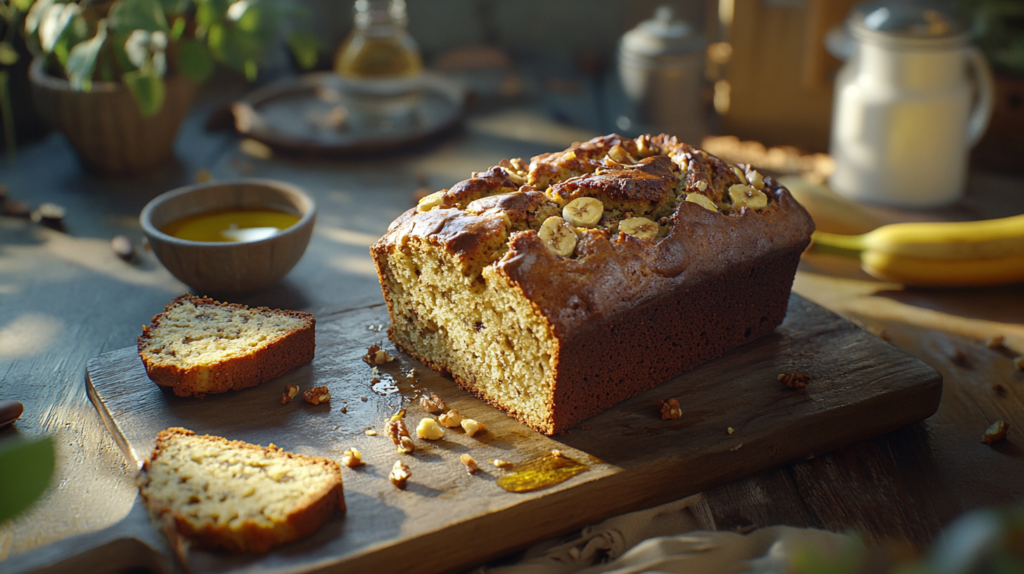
(556, 453)
(352, 458)
(398, 416)
(396, 430)
(317, 395)
(433, 404)
(502, 464)
(376, 356)
(959, 358)
(996, 432)
(406, 446)
(1018, 363)
(289, 393)
(400, 474)
(370, 432)
(730, 430)
(451, 419)
(795, 380)
(994, 342)
(429, 429)
(469, 463)
(670, 409)
(472, 427)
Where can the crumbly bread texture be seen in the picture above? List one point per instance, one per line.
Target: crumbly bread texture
(555, 288)
(220, 493)
(199, 346)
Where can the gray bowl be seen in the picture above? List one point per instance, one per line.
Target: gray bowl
(229, 268)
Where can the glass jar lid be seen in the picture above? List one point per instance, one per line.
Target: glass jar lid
(662, 35)
(920, 23)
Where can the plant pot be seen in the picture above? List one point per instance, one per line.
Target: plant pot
(104, 124)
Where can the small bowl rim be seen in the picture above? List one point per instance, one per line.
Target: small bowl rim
(145, 217)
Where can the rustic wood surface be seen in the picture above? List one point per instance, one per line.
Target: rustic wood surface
(862, 387)
(65, 299)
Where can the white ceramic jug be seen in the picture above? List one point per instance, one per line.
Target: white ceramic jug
(903, 120)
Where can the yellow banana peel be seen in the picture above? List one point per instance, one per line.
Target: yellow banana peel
(953, 254)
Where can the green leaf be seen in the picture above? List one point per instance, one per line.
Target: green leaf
(194, 61)
(305, 48)
(177, 29)
(174, 6)
(23, 5)
(53, 23)
(148, 90)
(26, 467)
(8, 55)
(129, 15)
(82, 60)
(211, 12)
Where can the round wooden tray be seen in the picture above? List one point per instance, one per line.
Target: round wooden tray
(303, 115)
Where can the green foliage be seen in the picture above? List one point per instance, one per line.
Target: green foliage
(305, 47)
(997, 27)
(26, 467)
(136, 41)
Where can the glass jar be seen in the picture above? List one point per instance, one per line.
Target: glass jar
(380, 63)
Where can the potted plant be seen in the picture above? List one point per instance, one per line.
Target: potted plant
(118, 76)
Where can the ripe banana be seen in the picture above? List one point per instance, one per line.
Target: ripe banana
(954, 254)
(743, 194)
(702, 200)
(639, 227)
(558, 237)
(583, 212)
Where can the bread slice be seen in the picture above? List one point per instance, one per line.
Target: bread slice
(199, 346)
(228, 494)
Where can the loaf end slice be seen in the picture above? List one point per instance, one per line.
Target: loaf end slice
(223, 494)
(199, 346)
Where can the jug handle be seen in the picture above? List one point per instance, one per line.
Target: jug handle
(982, 113)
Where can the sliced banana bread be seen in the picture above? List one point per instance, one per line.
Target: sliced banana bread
(228, 494)
(556, 287)
(199, 346)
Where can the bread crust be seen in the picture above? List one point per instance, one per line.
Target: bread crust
(626, 313)
(263, 364)
(312, 511)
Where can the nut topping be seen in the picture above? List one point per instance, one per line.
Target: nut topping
(352, 458)
(469, 463)
(396, 429)
(472, 427)
(451, 419)
(400, 474)
(795, 380)
(289, 393)
(432, 404)
(996, 432)
(429, 429)
(317, 395)
(670, 409)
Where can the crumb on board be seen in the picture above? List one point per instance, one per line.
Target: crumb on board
(995, 432)
(797, 381)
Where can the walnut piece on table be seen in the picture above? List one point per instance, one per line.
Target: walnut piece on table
(317, 395)
(400, 474)
(376, 356)
(289, 393)
(669, 409)
(797, 381)
(352, 458)
(995, 432)
(451, 419)
(433, 404)
(470, 463)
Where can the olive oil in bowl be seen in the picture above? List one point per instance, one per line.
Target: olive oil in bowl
(231, 225)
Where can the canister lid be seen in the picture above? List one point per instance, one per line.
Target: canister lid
(922, 23)
(662, 36)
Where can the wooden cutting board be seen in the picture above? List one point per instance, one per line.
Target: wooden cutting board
(448, 520)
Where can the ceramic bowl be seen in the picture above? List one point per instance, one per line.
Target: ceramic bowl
(237, 267)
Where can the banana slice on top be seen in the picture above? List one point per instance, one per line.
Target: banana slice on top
(639, 227)
(703, 201)
(558, 236)
(583, 212)
(746, 195)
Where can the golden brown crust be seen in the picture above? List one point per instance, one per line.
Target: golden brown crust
(309, 514)
(718, 278)
(273, 360)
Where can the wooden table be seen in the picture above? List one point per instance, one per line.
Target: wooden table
(65, 298)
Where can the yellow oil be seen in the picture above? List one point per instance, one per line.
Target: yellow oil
(366, 57)
(231, 225)
(543, 472)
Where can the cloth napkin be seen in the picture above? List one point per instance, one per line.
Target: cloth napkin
(666, 539)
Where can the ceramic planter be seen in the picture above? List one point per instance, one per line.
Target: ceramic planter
(104, 125)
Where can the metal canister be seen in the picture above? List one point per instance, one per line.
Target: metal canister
(661, 66)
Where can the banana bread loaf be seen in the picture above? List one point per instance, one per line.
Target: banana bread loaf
(556, 288)
(228, 494)
(199, 346)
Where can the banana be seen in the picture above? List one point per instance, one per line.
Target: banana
(953, 254)
(743, 194)
(702, 200)
(945, 240)
(558, 237)
(431, 201)
(639, 227)
(583, 212)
